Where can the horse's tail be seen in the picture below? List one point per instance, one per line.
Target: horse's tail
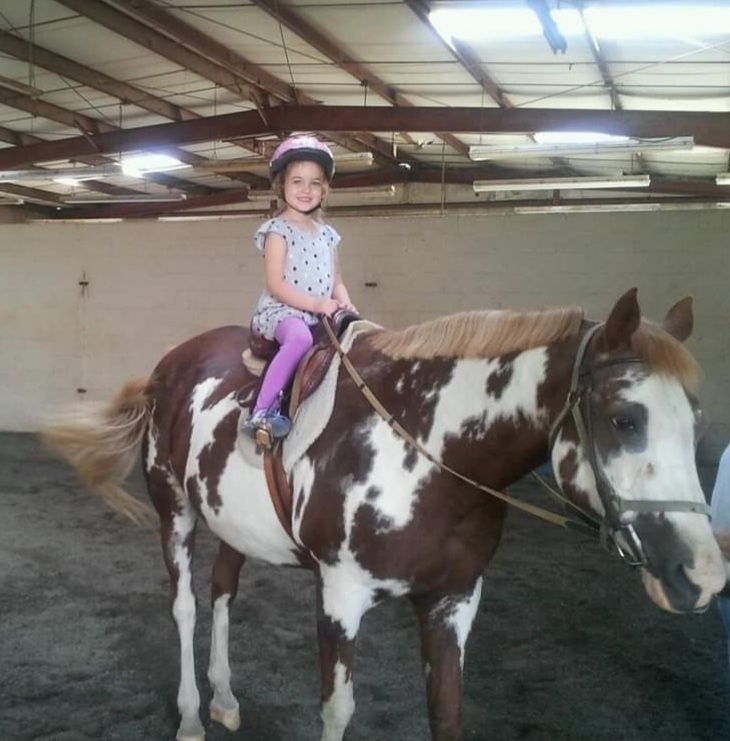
(102, 442)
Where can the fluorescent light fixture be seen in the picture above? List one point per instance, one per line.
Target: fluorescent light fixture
(483, 152)
(73, 182)
(722, 178)
(50, 173)
(132, 198)
(137, 165)
(627, 181)
(372, 190)
(368, 190)
(576, 137)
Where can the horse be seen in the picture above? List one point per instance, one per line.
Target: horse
(485, 397)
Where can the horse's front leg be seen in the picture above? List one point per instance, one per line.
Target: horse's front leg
(224, 706)
(445, 623)
(340, 607)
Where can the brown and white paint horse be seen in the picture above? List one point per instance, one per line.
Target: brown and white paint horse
(481, 392)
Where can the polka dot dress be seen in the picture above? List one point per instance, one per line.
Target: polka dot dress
(309, 267)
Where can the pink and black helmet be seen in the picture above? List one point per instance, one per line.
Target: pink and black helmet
(302, 148)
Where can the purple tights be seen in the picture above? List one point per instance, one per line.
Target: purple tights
(294, 338)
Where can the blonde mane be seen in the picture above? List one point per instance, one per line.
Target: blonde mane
(488, 334)
(479, 334)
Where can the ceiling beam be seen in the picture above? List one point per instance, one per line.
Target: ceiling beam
(65, 67)
(126, 93)
(33, 195)
(463, 54)
(141, 210)
(94, 126)
(139, 33)
(710, 129)
(212, 60)
(367, 79)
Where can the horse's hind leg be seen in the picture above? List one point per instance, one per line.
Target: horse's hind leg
(227, 567)
(177, 532)
(445, 623)
(339, 611)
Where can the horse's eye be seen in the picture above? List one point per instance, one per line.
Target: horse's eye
(622, 423)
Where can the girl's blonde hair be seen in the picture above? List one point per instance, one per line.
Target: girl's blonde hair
(277, 185)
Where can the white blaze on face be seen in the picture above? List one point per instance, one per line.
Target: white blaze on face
(660, 467)
(665, 468)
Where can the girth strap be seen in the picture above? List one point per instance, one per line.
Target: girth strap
(281, 497)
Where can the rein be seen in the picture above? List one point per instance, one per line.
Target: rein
(543, 514)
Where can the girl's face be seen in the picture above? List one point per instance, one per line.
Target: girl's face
(304, 186)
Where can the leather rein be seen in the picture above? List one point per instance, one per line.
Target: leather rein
(577, 407)
(587, 524)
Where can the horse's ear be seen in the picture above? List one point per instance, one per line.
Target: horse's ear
(679, 320)
(622, 322)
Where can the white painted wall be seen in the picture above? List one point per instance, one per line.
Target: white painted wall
(152, 285)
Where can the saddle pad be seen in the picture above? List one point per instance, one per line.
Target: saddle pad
(254, 364)
(315, 411)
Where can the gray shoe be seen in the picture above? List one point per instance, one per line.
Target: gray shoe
(278, 424)
(265, 427)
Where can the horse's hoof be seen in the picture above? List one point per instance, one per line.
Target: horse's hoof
(230, 719)
(187, 737)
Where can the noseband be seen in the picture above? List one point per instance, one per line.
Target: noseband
(578, 406)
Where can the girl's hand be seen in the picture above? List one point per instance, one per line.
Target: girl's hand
(327, 306)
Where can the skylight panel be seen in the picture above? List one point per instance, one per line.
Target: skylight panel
(636, 20)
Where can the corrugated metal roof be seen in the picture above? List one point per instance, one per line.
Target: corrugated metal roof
(88, 68)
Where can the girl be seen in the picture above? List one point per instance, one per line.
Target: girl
(302, 272)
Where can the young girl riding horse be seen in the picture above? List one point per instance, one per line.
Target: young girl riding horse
(302, 271)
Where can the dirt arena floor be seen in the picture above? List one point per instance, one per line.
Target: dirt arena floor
(566, 646)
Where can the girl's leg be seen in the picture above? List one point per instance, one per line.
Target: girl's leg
(295, 339)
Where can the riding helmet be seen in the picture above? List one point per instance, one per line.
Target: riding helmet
(302, 148)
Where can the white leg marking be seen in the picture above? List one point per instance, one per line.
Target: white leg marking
(224, 706)
(338, 710)
(463, 618)
(183, 611)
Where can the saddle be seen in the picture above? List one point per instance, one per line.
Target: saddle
(312, 367)
(308, 376)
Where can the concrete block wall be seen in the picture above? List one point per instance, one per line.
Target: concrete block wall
(152, 285)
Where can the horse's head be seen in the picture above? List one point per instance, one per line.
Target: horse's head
(624, 449)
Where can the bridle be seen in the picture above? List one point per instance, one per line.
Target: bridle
(613, 530)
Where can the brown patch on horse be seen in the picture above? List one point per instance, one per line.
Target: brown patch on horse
(500, 379)
(665, 355)
(478, 334)
(213, 457)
